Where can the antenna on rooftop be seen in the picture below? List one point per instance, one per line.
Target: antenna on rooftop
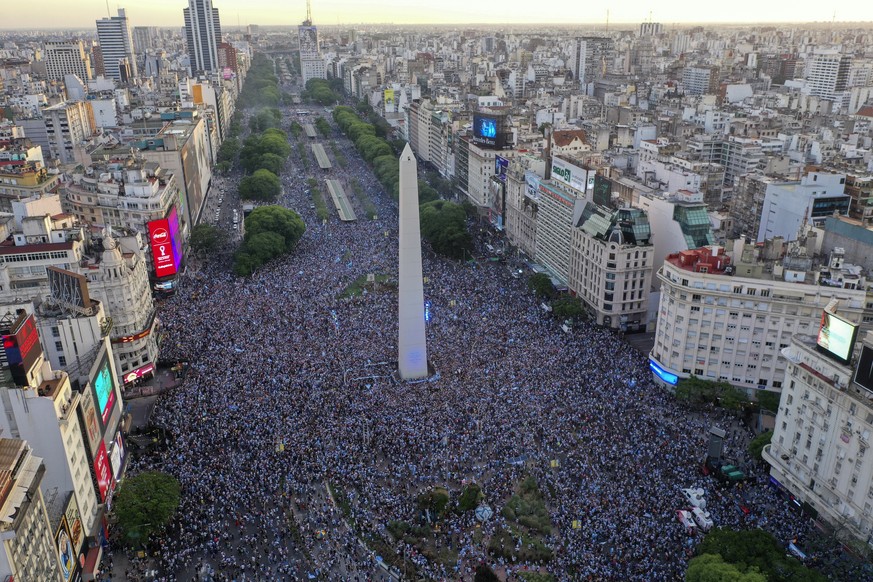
(308, 21)
(607, 20)
(109, 14)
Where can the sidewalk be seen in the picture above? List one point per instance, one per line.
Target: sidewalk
(164, 380)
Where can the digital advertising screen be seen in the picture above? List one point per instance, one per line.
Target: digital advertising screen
(104, 388)
(163, 253)
(175, 239)
(864, 372)
(500, 166)
(485, 130)
(22, 347)
(66, 552)
(836, 337)
(602, 190)
(102, 471)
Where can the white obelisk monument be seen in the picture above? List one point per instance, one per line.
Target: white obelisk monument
(412, 345)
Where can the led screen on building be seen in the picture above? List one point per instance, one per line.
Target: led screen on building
(836, 337)
(102, 472)
(104, 388)
(173, 220)
(486, 131)
(163, 253)
(864, 371)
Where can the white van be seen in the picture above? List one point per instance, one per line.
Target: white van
(694, 497)
(704, 521)
(687, 520)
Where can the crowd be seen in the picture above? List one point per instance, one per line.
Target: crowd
(291, 388)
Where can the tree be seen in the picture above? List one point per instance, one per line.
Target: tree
(443, 225)
(485, 574)
(469, 498)
(757, 444)
(271, 162)
(262, 185)
(757, 549)
(541, 284)
(568, 308)
(768, 400)
(264, 246)
(712, 568)
(204, 238)
(277, 219)
(144, 504)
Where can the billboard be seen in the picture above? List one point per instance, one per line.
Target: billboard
(501, 164)
(388, 97)
(66, 552)
(104, 388)
(102, 472)
(68, 287)
(116, 457)
(175, 239)
(162, 248)
(570, 174)
(532, 182)
(89, 420)
(74, 524)
(602, 190)
(836, 337)
(21, 347)
(864, 372)
(486, 131)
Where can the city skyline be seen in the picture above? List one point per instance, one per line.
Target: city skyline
(167, 13)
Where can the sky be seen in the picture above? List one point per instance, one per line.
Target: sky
(78, 14)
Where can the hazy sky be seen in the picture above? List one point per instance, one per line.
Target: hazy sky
(168, 13)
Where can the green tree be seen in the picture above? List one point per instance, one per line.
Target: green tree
(443, 225)
(485, 574)
(712, 568)
(759, 550)
(204, 238)
(228, 150)
(322, 126)
(277, 219)
(757, 444)
(144, 504)
(568, 308)
(768, 400)
(263, 185)
(469, 498)
(434, 500)
(541, 284)
(245, 264)
(264, 246)
(271, 162)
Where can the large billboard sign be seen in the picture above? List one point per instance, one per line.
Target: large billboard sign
(66, 552)
(501, 164)
(570, 174)
(175, 239)
(163, 253)
(836, 337)
(102, 471)
(487, 131)
(602, 190)
(104, 388)
(21, 346)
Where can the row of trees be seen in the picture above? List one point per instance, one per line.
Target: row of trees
(270, 231)
(261, 87)
(378, 152)
(263, 159)
(322, 91)
(563, 306)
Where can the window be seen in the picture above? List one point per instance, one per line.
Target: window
(62, 361)
(59, 346)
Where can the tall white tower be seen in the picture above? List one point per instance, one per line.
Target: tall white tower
(203, 34)
(412, 344)
(116, 45)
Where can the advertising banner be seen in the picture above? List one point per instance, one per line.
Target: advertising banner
(570, 174)
(66, 553)
(104, 388)
(388, 97)
(162, 248)
(102, 472)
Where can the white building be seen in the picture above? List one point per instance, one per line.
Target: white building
(725, 317)
(117, 46)
(67, 58)
(788, 205)
(44, 413)
(68, 125)
(311, 62)
(29, 551)
(202, 34)
(820, 450)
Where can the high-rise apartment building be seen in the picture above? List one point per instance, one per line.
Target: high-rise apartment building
(820, 450)
(67, 58)
(591, 56)
(700, 80)
(28, 551)
(116, 46)
(67, 125)
(311, 62)
(827, 73)
(203, 35)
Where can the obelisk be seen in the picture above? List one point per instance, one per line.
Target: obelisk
(412, 345)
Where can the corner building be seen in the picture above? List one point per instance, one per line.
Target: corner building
(724, 320)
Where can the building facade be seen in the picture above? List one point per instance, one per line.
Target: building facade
(116, 45)
(203, 35)
(67, 58)
(820, 449)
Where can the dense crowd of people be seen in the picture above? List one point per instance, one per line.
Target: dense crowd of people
(291, 388)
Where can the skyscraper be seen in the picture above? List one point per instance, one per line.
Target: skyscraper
(119, 61)
(203, 34)
(311, 62)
